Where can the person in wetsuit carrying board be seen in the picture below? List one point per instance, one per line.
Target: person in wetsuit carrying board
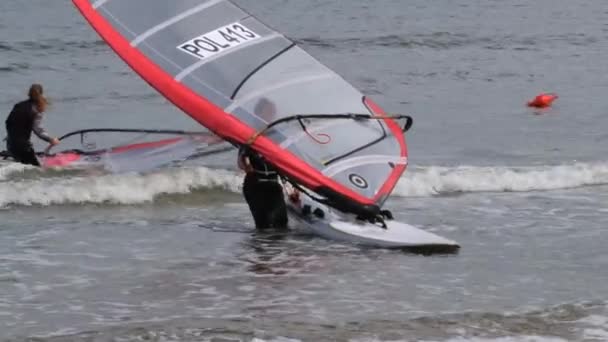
(26, 117)
(262, 190)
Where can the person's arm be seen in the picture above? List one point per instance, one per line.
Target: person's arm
(41, 132)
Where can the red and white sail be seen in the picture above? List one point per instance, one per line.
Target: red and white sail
(235, 75)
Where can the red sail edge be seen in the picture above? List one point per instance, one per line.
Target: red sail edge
(398, 170)
(232, 129)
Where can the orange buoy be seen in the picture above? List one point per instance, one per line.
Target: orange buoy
(543, 100)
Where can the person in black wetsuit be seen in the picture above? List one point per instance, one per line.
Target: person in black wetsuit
(262, 190)
(26, 117)
(261, 187)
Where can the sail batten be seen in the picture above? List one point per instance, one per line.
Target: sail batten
(258, 68)
(173, 20)
(99, 3)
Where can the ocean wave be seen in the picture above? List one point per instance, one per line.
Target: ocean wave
(127, 189)
(7, 169)
(448, 40)
(115, 95)
(24, 185)
(438, 40)
(5, 47)
(433, 181)
(566, 322)
(584, 321)
(52, 46)
(12, 67)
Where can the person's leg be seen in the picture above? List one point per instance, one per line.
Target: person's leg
(255, 200)
(24, 155)
(30, 158)
(277, 208)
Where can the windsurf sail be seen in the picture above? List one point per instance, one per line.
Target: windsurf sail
(121, 150)
(127, 149)
(249, 84)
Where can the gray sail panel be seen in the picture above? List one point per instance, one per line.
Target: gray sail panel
(295, 69)
(224, 74)
(223, 71)
(296, 83)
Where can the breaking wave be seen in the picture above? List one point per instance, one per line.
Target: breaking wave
(444, 181)
(131, 188)
(9, 169)
(24, 185)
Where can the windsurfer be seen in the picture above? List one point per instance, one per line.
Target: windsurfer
(26, 117)
(261, 187)
(262, 190)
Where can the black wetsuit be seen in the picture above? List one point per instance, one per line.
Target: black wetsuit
(264, 193)
(23, 119)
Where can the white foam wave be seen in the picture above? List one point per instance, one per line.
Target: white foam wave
(8, 169)
(441, 180)
(596, 328)
(129, 188)
(135, 188)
